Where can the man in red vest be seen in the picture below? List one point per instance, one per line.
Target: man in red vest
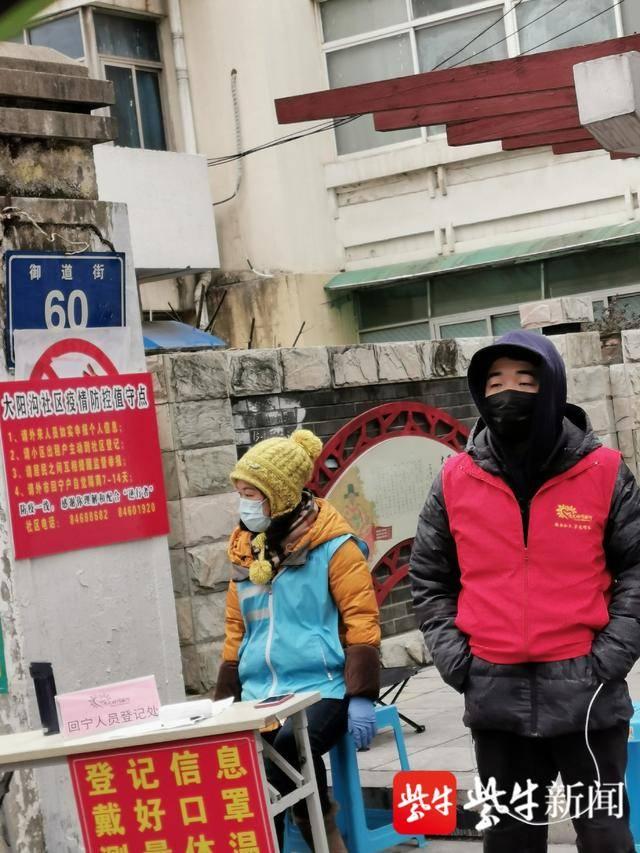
(526, 582)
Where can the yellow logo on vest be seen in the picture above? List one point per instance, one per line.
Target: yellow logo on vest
(570, 518)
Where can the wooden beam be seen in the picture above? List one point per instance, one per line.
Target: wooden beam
(574, 147)
(476, 109)
(535, 73)
(492, 129)
(534, 140)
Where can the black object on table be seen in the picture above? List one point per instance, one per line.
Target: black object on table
(396, 678)
(45, 686)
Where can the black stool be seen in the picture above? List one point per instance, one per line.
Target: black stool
(396, 678)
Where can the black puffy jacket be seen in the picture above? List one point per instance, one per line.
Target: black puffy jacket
(530, 698)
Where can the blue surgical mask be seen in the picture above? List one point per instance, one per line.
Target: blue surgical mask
(253, 516)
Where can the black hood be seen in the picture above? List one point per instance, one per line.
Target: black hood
(576, 441)
(551, 406)
(552, 397)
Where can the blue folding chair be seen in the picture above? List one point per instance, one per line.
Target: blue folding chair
(364, 830)
(633, 774)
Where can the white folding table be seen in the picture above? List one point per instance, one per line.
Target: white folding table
(33, 749)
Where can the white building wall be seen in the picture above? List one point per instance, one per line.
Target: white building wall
(170, 210)
(282, 216)
(301, 208)
(477, 202)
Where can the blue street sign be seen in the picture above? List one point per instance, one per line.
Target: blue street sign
(46, 290)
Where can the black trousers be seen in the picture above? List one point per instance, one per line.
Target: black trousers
(511, 758)
(326, 724)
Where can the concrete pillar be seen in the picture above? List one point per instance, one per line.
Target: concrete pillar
(608, 92)
(103, 614)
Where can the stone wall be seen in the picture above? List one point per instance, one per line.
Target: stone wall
(213, 405)
(325, 411)
(276, 391)
(198, 451)
(625, 400)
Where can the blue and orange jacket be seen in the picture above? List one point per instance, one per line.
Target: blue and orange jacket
(315, 627)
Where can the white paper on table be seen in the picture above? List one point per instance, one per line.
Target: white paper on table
(201, 708)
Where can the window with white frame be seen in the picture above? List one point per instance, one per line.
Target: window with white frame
(63, 34)
(368, 40)
(129, 56)
(542, 26)
(486, 301)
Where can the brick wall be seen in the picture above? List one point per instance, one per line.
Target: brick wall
(396, 614)
(328, 410)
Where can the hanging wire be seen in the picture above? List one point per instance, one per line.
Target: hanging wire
(420, 84)
(577, 26)
(549, 40)
(9, 213)
(283, 140)
(476, 37)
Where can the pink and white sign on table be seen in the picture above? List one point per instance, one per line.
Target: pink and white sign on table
(112, 706)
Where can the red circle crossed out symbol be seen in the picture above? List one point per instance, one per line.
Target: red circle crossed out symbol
(43, 368)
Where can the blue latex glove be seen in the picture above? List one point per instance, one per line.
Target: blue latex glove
(362, 721)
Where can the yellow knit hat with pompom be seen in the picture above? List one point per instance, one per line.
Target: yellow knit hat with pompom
(280, 468)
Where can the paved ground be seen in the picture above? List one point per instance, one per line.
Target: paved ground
(445, 745)
(473, 847)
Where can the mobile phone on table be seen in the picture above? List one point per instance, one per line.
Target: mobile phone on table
(273, 700)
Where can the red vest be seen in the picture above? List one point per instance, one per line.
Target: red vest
(545, 600)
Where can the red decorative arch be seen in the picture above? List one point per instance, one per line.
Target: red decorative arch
(363, 432)
(379, 424)
(391, 569)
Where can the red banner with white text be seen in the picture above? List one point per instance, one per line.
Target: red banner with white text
(82, 461)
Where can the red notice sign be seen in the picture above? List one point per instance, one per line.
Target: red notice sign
(194, 796)
(83, 463)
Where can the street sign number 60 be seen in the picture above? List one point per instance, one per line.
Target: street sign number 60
(58, 315)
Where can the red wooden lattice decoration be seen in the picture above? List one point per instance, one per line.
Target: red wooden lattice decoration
(380, 424)
(391, 569)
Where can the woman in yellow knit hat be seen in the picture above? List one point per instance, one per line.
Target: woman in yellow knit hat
(301, 612)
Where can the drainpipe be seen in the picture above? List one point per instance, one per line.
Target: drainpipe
(182, 76)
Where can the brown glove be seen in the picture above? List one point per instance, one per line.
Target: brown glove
(228, 683)
(362, 671)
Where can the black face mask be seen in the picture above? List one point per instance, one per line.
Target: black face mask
(509, 415)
